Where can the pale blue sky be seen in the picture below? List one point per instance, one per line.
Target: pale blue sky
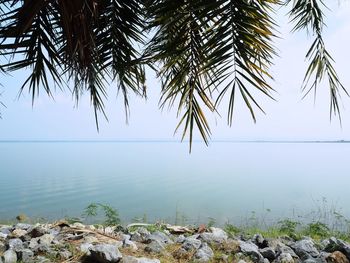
(289, 118)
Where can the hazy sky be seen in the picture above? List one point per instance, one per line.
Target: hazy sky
(288, 118)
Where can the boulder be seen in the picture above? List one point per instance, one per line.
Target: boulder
(155, 246)
(18, 233)
(2, 247)
(46, 239)
(305, 248)
(15, 244)
(260, 241)
(268, 253)
(130, 244)
(105, 253)
(159, 236)
(26, 255)
(250, 249)
(215, 235)
(23, 226)
(334, 244)
(140, 235)
(191, 244)
(284, 258)
(204, 253)
(10, 256)
(337, 257)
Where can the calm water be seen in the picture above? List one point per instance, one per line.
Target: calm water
(226, 181)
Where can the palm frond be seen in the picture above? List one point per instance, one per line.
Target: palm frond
(308, 15)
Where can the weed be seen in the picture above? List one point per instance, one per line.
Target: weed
(110, 214)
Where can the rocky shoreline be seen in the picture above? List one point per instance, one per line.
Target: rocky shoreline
(152, 243)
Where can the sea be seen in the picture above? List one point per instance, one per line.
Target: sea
(226, 182)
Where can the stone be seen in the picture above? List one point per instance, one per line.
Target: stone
(15, 244)
(140, 235)
(130, 244)
(41, 259)
(191, 244)
(5, 230)
(268, 253)
(37, 231)
(33, 243)
(10, 256)
(181, 253)
(250, 249)
(284, 249)
(260, 241)
(46, 239)
(305, 247)
(159, 236)
(23, 226)
(337, 257)
(26, 255)
(204, 253)
(130, 259)
(3, 236)
(78, 225)
(105, 253)
(85, 248)
(335, 244)
(18, 233)
(285, 258)
(216, 235)
(180, 239)
(155, 246)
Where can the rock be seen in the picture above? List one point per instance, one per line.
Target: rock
(335, 244)
(159, 236)
(18, 233)
(155, 246)
(283, 249)
(15, 244)
(41, 259)
(130, 259)
(314, 260)
(10, 256)
(285, 258)
(181, 253)
(105, 253)
(268, 253)
(260, 241)
(204, 253)
(241, 261)
(46, 239)
(37, 231)
(140, 235)
(337, 257)
(3, 236)
(23, 226)
(216, 235)
(85, 248)
(65, 254)
(305, 248)
(33, 243)
(26, 255)
(130, 244)
(5, 230)
(180, 239)
(21, 217)
(191, 244)
(250, 249)
(124, 237)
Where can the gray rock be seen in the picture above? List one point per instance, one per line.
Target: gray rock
(26, 255)
(85, 248)
(37, 231)
(315, 260)
(33, 243)
(285, 258)
(160, 236)
(305, 247)
(46, 239)
(216, 235)
(260, 241)
(335, 244)
(15, 244)
(1, 260)
(90, 239)
(105, 253)
(284, 249)
(155, 246)
(130, 244)
(125, 237)
(130, 259)
(3, 236)
(268, 253)
(191, 244)
(23, 226)
(252, 250)
(41, 259)
(204, 253)
(5, 230)
(140, 234)
(180, 239)
(10, 256)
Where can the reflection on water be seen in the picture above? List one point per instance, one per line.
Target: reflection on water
(226, 181)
